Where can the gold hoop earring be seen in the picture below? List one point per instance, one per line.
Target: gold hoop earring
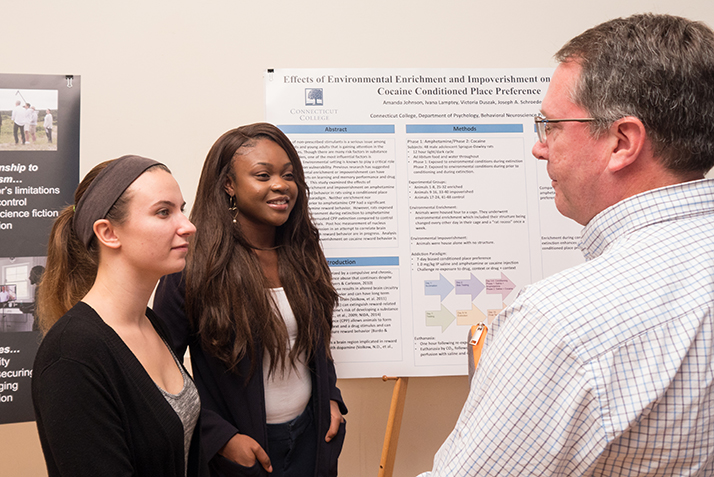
(233, 206)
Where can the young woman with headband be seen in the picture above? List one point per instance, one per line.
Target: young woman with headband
(255, 305)
(110, 397)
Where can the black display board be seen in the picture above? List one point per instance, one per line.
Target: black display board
(38, 174)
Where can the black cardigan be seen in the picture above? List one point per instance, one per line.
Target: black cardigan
(231, 405)
(98, 412)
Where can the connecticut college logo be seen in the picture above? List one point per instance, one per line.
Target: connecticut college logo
(313, 97)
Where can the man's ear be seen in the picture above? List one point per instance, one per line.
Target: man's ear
(629, 135)
(105, 234)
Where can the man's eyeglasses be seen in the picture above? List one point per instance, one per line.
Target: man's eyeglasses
(542, 124)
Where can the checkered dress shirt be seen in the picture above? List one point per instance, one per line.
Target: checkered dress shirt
(605, 368)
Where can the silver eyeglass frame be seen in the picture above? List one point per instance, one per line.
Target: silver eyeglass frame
(542, 122)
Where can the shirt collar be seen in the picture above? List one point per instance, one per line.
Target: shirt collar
(687, 199)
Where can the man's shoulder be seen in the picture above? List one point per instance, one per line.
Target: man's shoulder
(617, 296)
(564, 285)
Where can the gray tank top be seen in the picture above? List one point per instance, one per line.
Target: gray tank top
(187, 406)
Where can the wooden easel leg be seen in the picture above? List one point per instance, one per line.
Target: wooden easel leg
(394, 423)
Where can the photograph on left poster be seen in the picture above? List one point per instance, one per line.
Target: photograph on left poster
(19, 280)
(28, 119)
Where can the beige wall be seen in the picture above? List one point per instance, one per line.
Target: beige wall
(165, 79)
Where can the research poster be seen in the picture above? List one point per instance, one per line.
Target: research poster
(39, 169)
(432, 211)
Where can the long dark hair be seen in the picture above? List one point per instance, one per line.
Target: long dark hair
(227, 299)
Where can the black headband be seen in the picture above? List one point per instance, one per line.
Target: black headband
(104, 191)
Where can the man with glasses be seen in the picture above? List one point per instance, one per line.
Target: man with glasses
(608, 368)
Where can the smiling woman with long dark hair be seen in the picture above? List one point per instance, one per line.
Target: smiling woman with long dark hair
(255, 305)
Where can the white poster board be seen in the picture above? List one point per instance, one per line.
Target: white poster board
(432, 211)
